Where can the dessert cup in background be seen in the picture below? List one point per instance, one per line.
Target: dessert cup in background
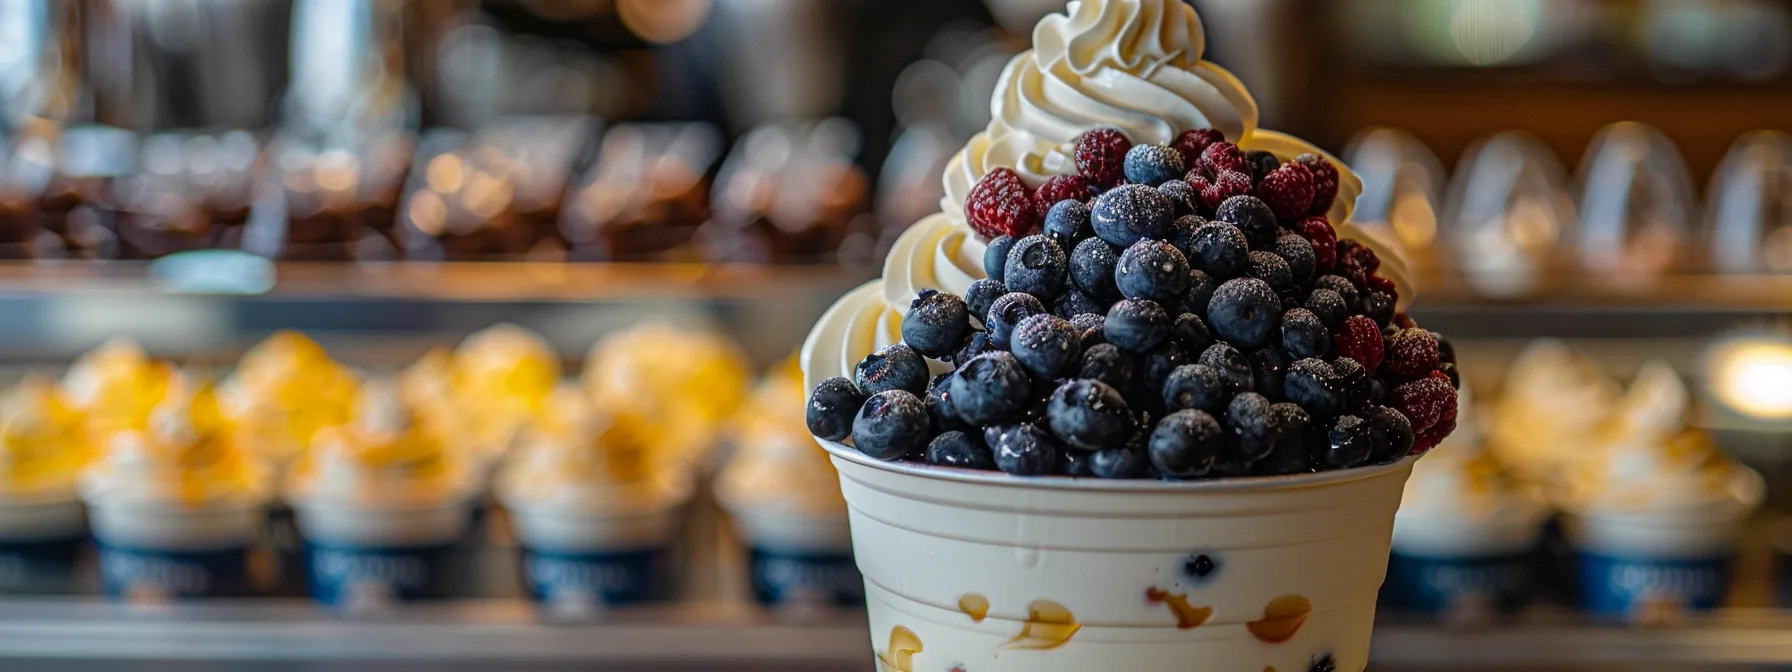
(176, 509)
(784, 497)
(1465, 536)
(681, 386)
(593, 509)
(1655, 512)
(43, 529)
(502, 376)
(380, 503)
(992, 572)
(116, 386)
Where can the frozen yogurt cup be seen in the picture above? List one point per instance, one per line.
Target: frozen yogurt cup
(43, 528)
(683, 384)
(987, 571)
(176, 508)
(1552, 406)
(380, 502)
(784, 497)
(283, 391)
(502, 378)
(593, 509)
(1654, 513)
(1465, 536)
(116, 386)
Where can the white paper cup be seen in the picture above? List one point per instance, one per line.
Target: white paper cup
(40, 540)
(798, 558)
(580, 560)
(367, 559)
(993, 572)
(154, 553)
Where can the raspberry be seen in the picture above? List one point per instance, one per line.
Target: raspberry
(1428, 402)
(1192, 142)
(1325, 242)
(1411, 354)
(1223, 157)
(1358, 261)
(1325, 182)
(1213, 192)
(1405, 321)
(1061, 188)
(1432, 438)
(1101, 157)
(1360, 339)
(1000, 206)
(1382, 284)
(1288, 190)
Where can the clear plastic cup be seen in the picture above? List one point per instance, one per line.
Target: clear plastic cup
(1509, 218)
(1636, 206)
(1748, 216)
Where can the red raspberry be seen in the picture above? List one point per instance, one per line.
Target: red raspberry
(1382, 284)
(1223, 157)
(1411, 354)
(1427, 402)
(1000, 206)
(1101, 157)
(1405, 321)
(1359, 338)
(1325, 182)
(1288, 190)
(1432, 438)
(1318, 231)
(1191, 143)
(1358, 261)
(1061, 188)
(1213, 192)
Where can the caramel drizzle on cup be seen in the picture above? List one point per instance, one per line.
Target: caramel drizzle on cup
(1049, 625)
(1188, 616)
(975, 606)
(1282, 618)
(900, 657)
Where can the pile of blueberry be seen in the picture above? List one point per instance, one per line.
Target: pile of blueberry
(1171, 312)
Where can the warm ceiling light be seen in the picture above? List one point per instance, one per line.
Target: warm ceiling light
(663, 21)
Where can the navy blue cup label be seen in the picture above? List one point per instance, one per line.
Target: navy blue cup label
(1640, 589)
(1464, 588)
(26, 566)
(574, 582)
(782, 577)
(156, 576)
(368, 579)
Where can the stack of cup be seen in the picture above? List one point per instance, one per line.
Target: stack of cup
(42, 526)
(380, 503)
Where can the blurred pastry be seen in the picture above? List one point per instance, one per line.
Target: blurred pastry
(646, 194)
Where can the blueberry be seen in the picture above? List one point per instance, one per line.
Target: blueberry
(1108, 364)
(936, 323)
(1182, 234)
(1298, 252)
(1268, 267)
(1074, 302)
(1449, 371)
(1261, 164)
(1191, 332)
(1253, 217)
(1154, 369)
(990, 389)
(939, 406)
(1253, 424)
(995, 256)
(1349, 443)
(1200, 567)
(1037, 266)
(1313, 384)
(1155, 270)
(1268, 366)
(1200, 292)
(1091, 326)
(1092, 267)
(980, 295)
(890, 425)
(1075, 463)
(1379, 306)
(1323, 664)
(1089, 415)
(1023, 450)
(1342, 286)
(1186, 444)
(1220, 249)
(1328, 306)
(1067, 223)
(1245, 312)
(1047, 346)
(1446, 353)
(1183, 198)
(977, 344)
(1304, 334)
(896, 367)
(1154, 165)
(1393, 434)
(1195, 386)
(1136, 324)
(1290, 453)
(1354, 384)
(1119, 463)
(1231, 365)
(1007, 312)
(832, 407)
(1131, 212)
(961, 449)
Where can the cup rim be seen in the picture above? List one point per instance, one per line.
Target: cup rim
(840, 451)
